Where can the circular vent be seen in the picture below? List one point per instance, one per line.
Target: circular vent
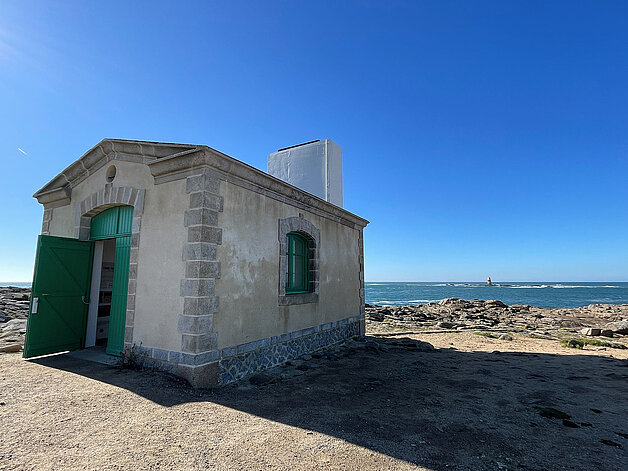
(111, 173)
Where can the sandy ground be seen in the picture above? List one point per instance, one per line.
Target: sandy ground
(472, 403)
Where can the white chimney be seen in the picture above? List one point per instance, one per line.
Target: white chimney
(315, 167)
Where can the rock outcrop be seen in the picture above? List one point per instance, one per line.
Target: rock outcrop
(14, 303)
(477, 314)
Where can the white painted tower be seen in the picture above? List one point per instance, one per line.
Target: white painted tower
(315, 167)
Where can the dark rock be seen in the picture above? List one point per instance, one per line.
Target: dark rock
(620, 327)
(446, 325)
(591, 332)
(260, 379)
(551, 413)
(494, 303)
(424, 347)
(569, 423)
(11, 348)
(375, 316)
(291, 373)
(574, 343)
(610, 443)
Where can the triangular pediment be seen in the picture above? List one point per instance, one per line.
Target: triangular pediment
(145, 152)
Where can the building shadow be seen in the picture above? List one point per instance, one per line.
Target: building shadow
(442, 409)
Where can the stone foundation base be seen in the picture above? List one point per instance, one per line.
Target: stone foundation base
(284, 349)
(220, 367)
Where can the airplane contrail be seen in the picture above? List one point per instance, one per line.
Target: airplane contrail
(23, 151)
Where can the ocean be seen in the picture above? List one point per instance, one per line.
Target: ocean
(542, 294)
(17, 284)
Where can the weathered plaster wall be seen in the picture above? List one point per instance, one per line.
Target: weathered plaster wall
(162, 235)
(62, 222)
(249, 256)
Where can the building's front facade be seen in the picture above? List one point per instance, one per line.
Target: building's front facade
(195, 262)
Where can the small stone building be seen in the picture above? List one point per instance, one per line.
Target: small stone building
(194, 262)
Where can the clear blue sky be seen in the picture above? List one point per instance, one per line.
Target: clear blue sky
(479, 137)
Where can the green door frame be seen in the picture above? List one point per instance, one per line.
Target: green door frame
(116, 223)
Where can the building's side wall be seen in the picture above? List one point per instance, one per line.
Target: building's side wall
(155, 295)
(248, 287)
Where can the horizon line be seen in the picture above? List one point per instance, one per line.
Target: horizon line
(500, 281)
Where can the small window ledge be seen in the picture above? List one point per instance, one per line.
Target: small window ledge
(302, 298)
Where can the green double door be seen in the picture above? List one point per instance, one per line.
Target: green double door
(61, 285)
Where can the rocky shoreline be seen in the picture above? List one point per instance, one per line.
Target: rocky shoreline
(14, 303)
(492, 316)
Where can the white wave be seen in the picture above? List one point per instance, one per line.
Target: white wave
(527, 286)
(588, 286)
(403, 302)
(454, 285)
(559, 286)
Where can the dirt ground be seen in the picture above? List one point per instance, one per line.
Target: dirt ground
(472, 403)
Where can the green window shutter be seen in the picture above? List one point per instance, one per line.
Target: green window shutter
(297, 255)
(104, 225)
(112, 222)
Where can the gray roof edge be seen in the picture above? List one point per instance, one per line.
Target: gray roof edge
(205, 156)
(164, 158)
(100, 151)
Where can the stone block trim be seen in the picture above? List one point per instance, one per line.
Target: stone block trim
(106, 198)
(361, 286)
(97, 202)
(195, 323)
(221, 367)
(312, 234)
(45, 225)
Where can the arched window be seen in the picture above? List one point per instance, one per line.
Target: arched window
(297, 280)
(299, 261)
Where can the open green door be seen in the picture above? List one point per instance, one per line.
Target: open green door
(59, 296)
(116, 223)
(117, 317)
